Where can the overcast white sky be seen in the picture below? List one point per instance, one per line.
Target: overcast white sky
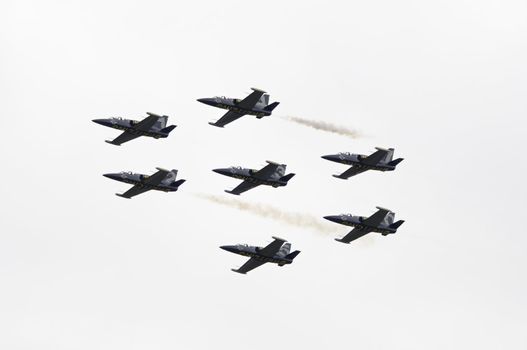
(442, 82)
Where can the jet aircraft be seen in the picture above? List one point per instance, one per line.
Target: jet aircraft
(273, 174)
(380, 160)
(381, 221)
(276, 252)
(257, 104)
(152, 126)
(162, 180)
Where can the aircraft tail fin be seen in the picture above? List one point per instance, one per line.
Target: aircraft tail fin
(389, 218)
(264, 99)
(287, 177)
(168, 129)
(269, 108)
(395, 161)
(285, 249)
(396, 224)
(292, 255)
(170, 177)
(389, 155)
(161, 122)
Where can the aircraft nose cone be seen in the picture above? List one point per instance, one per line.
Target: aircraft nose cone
(329, 157)
(332, 218)
(111, 176)
(222, 171)
(207, 101)
(104, 122)
(228, 248)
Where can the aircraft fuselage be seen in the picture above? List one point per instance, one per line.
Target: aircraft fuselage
(358, 222)
(252, 252)
(128, 126)
(231, 104)
(248, 175)
(138, 179)
(356, 160)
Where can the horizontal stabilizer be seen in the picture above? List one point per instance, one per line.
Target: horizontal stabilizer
(216, 125)
(396, 224)
(178, 183)
(292, 255)
(287, 177)
(396, 161)
(272, 106)
(168, 129)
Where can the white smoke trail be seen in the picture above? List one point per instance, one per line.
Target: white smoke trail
(267, 211)
(325, 126)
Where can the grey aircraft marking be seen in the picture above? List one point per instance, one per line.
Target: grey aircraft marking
(257, 104)
(381, 221)
(152, 126)
(277, 252)
(380, 160)
(163, 180)
(273, 174)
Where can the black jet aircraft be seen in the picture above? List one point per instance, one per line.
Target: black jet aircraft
(162, 180)
(273, 174)
(257, 104)
(380, 160)
(152, 126)
(276, 252)
(381, 221)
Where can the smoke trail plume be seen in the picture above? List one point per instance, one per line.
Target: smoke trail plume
(267, 211)
(325, 126)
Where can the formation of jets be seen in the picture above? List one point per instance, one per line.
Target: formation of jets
(273, 174)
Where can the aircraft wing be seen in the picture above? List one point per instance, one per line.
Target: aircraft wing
(354, 170)
(134, 191)
(354, 234)
(243, 187)
(227, 118)
(147, 123)
(250, 101)
(124, 137)
(272, 248)
(375, 157)
(267, 170)
(251, 264)
(156, 178)
(376, 219)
